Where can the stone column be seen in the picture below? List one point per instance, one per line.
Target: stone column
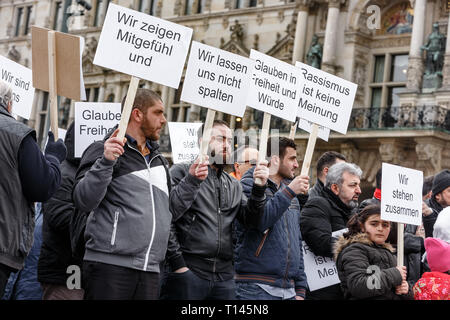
(194, 115)
(415, 63)
(329, 46)
(34, 110)
(165, 95)
(71, 112)
(101, 93)
(446, 68)
(300, 31)
(118, 93)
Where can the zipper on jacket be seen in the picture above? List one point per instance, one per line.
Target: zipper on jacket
(116, 220)
(153, 207)
(261, 244)
(219, 213)
(288, 248)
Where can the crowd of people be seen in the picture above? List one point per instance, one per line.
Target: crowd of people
(121, 223)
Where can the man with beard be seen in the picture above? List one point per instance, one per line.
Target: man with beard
(269, 258)
(125, 187)
(330, 212)
(204, 201)
(245, 157)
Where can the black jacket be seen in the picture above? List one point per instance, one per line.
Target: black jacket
(414, 248)
(320, 217)
(316, 190)
(56, 254)
(203, 213)
(429, 221)
(367, 270)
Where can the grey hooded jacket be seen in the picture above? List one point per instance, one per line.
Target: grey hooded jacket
(128, 201)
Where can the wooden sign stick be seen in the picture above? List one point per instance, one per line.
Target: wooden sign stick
(207, 134)
(293, 130)
(263, 141)
(126, 112)
(52, 83)
(400, 247)
(310, 149)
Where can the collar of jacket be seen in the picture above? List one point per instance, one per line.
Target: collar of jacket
(217, 172)
(336, 201)
(362, 238)
(5, 112)
(273, 186)
(320, 183)
(134, 142)
(151, 144)
(434, 204)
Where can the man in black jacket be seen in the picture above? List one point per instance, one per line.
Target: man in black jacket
(56, 253)
(28, 176)
(204, 202)
(330, 212)
(324, 163)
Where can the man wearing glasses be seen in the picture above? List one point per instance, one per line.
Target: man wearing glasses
(204, 202)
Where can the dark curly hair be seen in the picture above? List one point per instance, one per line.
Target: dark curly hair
(356, 223)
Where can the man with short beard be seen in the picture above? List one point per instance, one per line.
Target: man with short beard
(124, 184)
(330, 212)
(269, 258)
(205, 201)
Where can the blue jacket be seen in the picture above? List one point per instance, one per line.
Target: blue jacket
(274, 257)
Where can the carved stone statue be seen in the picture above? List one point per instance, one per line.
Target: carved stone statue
(314, 55)
(13, 54)
(435, 49)
(237, 31)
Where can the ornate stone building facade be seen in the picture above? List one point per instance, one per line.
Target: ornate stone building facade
(397, 117)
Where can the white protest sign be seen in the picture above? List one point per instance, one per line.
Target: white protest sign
(93, 121)
(62, 133)
(274, 87)
(320, 272)
(323, 133)
(144, 46)
(184, 140)
(325, 99)
(19, 79)
(401, 194)
(217, 79)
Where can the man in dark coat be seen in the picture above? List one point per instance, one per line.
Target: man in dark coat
(56, 253)
(204, 202)
(330, 212)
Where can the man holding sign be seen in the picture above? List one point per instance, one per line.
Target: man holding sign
(204, 202)
(125, 186)
(27, 177)
(328, 213)
(269, 260)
